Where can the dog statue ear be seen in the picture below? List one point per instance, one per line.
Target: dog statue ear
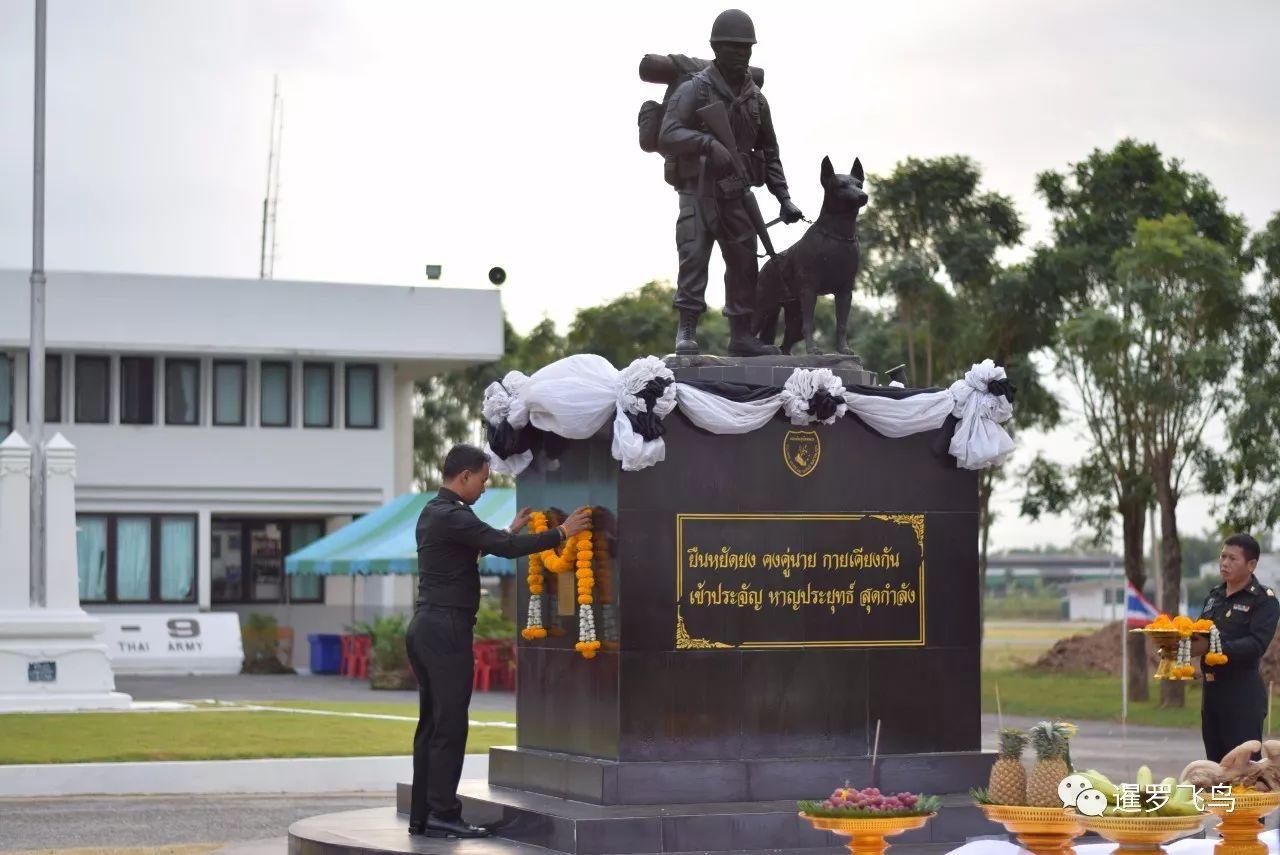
(828, 171)
(857, 172)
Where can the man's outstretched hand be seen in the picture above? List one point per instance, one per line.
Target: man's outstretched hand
(577, 521)
(521, 520)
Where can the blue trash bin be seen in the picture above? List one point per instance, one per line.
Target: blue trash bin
(326, 653)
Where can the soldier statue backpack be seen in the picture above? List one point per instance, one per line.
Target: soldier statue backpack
(673, 70)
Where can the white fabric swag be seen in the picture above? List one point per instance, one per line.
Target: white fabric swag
(575, 396)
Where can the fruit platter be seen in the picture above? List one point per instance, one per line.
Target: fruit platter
(1246, 790)
(867, 816)
(1172, 636)
(1032, 811)
(1145, 816)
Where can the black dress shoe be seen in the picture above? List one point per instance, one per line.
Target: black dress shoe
(454, 828)
(417, 829)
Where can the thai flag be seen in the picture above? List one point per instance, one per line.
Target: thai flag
(1138, 610)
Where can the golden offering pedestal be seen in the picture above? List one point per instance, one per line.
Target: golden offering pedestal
(1145, 834)
(1166, 640)
(1240, 827)
(1041, 830)
(867, 836)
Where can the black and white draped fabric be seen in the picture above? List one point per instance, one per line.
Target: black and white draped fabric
(575, 397)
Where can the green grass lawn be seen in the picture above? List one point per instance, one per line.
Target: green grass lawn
(219, 735)
(1080, 697)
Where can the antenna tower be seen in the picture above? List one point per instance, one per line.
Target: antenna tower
(267, 248)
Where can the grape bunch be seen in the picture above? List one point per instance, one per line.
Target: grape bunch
(870, 799)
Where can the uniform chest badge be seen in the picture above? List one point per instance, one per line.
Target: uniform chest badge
(1242, 608)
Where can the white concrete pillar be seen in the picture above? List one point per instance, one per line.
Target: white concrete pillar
(15, 523)
(402, 427)
(62, 576)
(50, 658)
(204, 560)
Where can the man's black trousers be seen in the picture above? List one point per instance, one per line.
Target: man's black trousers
(1231, 712)
(439, 643)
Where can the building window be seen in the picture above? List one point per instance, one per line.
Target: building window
(91, 557)
(247, 561)
(133, 559)
(317, 395)
(136, 558)
(6, 395)
(177, 559)
(362, 396)
(52, 390)
(137, 390)
(276, 398)
(93, 389)
(181, 392)
(228, 393)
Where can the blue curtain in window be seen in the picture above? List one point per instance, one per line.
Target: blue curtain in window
(182, 393)
(361, 406)
(91, 557)
(228, 394)
(177, 558)
(275, 394)
(316, 380)
(133, 559)
(305, 586)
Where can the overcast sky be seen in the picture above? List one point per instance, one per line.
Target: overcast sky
(481, 134)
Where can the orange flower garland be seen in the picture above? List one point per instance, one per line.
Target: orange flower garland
(576, 555)
(534, 628)
(587, 644)
(1186, 627)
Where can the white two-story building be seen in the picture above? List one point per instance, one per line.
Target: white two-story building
(223, 423)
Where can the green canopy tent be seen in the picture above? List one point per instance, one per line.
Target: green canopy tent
(383, 542)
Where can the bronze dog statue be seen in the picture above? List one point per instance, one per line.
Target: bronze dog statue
(823, 261)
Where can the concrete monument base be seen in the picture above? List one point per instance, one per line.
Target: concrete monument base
(51, 656)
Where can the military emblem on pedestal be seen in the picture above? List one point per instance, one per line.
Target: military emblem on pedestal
(801, 450)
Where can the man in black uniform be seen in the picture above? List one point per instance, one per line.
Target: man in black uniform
(712, 198)
(1245, 612)
(451, 539)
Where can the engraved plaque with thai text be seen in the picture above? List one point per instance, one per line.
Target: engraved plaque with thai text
(800, 580)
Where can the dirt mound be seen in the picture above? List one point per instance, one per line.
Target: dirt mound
(1270, 666)
(1100, 651)
(1093, 651)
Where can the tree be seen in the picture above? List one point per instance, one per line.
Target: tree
(639, 323)
(449, 404)
(1247, 474)
(929, 227)
(1188, 295)
(1103, 280)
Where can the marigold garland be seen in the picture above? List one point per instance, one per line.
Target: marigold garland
(1186, 627)
(1215, 656)
(576, 555)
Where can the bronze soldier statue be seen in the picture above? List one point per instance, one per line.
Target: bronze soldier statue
(714, 182)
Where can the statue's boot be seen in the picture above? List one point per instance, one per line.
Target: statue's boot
(743, 343)
(687, 334)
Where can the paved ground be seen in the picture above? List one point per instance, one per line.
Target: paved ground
(158, 820)
(285, 687)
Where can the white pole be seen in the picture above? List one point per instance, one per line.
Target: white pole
(35, 353)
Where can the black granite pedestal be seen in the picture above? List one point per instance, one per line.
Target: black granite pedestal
(767, 599)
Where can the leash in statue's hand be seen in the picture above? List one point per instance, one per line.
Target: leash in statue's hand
(773, 223)
(777, 220)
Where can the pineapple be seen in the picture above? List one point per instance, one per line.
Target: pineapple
(1049, 738)
(1008, 783)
